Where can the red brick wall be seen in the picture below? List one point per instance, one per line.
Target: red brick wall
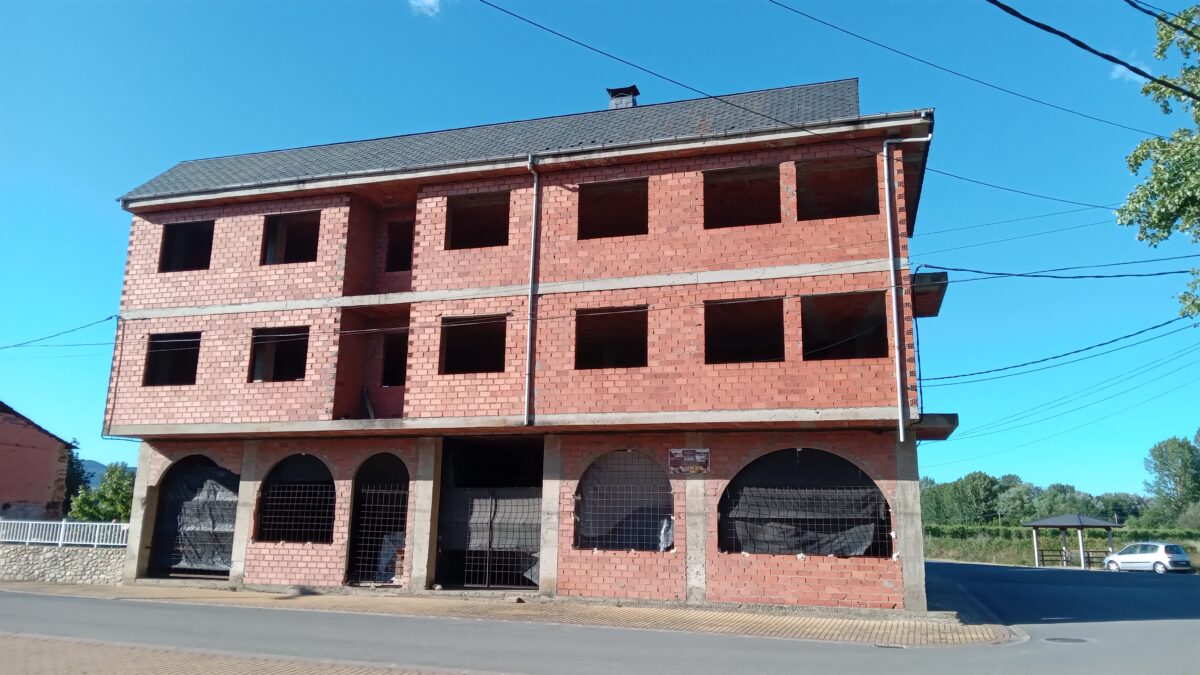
(787, 579)
(33, 468)
(642, 575)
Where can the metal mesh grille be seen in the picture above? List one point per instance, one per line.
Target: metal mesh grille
(826, 520)
(624, 502)
(298, 512)
(495, 533)
(380, 514)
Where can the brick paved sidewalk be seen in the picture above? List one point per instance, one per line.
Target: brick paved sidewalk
(43, 655)
(903, 629)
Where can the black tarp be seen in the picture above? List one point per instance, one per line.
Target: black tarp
(194, 529)
(818, 521)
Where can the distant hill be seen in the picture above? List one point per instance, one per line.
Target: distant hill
(95, 470)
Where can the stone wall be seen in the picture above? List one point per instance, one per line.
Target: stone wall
(62, 564)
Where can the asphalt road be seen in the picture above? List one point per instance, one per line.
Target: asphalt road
(1131, 623)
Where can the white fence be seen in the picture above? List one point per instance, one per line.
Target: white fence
(63, 533)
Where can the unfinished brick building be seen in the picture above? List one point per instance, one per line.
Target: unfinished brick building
(659, 352)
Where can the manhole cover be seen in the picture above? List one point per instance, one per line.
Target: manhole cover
(1068, 641)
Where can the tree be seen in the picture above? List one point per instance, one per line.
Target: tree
(1016, 503)
(1190, 518)
(1168, 199)
(1174, 468)
(1119, 506)
(1060, 498)
(77, 477)
(111, 500)
(974, 498)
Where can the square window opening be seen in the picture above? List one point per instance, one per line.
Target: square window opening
(737, 197)
(616, 209)
(844, 326)
(171, 359)
(743, 331)
(186, 246)
(473, 344)
(477, 221)
(278, 354)
(837, 189)
(614, 337)
(399, 247)
(395, 359)
(291, 238)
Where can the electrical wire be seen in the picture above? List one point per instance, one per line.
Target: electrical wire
(1039, 275)
(963, 75)
(1092, 50)
(54, 335)
(1161, 19)
(721, 99)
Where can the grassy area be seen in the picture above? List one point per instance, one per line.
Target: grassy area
(982, 548)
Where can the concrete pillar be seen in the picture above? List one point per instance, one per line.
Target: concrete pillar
(552, 477)
(141, 519)
(1037, 554)
(427, 490)
(910, 537)
(243, 527)
(696, 527)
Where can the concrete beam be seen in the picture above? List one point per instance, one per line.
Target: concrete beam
(552, 477)
(910, 537)
(243, 527)
(696, 528)
(141, 519)
(562, 421)
(544, 288)
(427, 490)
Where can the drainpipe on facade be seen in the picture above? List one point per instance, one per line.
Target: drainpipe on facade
(532, 299)
(889, 190)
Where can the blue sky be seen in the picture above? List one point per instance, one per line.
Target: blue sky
(99, 97)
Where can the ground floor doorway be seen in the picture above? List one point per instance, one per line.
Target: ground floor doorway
(193, 530)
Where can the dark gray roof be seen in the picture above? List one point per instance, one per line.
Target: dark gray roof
(705, 117)
(1071, 520)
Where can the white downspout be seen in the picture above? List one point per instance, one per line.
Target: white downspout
(889, 192)
(532, 299)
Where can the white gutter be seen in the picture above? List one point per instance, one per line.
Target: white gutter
(889, 191)
(531, 310)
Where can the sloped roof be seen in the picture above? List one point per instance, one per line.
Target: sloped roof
(695, 118)
(1070, 520)
(6, 409)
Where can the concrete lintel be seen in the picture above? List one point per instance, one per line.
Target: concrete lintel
(141, 519)
(547, 288)
(557, 421)
(910, 537)
(426, 497)
(696, 528)
(244, 522)
(552, 476)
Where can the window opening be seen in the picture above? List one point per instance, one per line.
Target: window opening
(296, 502)
(172, 359)
(737, 197)
(477, 221)
(844, 326)
(291, 238)
(837, 188)
(278, 354)
(186, 246)
(611, 338)
(395, 359)
(743, 331)
(473, 344)
(624, 502)
(804, 501)
(399, 247)
(615, 209)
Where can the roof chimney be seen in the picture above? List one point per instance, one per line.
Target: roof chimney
(623, 97)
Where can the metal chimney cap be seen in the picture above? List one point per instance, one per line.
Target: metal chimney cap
(631, 90)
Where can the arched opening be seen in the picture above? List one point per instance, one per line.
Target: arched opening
(377, 535)
(807, 501)
(296, 502)
(193, 528)
(624, 502)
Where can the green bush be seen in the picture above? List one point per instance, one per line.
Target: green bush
(1006, 533)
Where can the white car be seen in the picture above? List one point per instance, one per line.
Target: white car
(1150, 555)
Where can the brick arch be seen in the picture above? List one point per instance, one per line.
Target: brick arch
(300, 507)
(624, 501)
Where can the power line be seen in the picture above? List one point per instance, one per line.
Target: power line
(1002, 222)
(721, 99)
(1092, 50)
(1040, 275)
(1057, 356)
(1160, 18)
(54, 335)
(963, 75)
(1167, 12)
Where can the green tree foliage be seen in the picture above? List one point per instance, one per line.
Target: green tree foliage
(77, 478)
(1167, 201)
(111, 500)
(1190, 518)
(1174, 468)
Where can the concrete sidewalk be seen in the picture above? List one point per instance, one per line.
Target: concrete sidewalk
(877, 628)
